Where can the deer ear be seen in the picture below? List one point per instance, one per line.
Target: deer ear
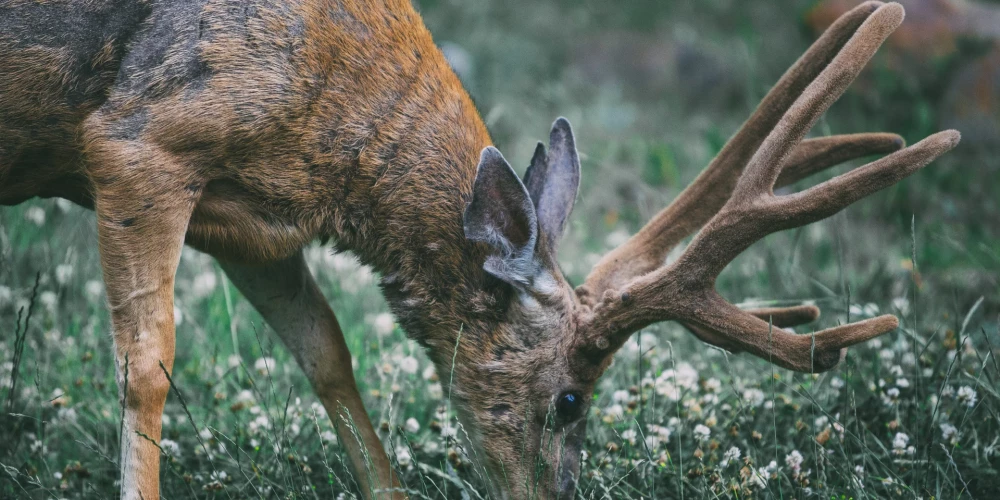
(553, 180)
(501, 215)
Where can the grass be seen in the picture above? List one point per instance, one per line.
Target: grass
(915, 413)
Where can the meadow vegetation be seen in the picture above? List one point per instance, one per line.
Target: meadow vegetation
(653, 90)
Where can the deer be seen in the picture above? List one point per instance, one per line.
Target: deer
(249, 129)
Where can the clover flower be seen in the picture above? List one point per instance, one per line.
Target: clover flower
(264, 366)
(731, 455)
(412, 426)
(702, 432)
(899, 445)
(949, 433)
(794, 461)
(409, 365)
(967, 396)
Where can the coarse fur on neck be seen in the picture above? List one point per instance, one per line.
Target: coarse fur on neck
(404, 164)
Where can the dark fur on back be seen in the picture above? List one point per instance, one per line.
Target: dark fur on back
(302, 119)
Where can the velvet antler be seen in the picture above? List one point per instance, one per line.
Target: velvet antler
(631, 288)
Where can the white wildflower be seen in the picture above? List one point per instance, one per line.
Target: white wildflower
(615, 411)
(49, 299)
(264, 366)
(902, 305)
(837, 382)
(66, 414)
(794, 461)
(629, 435)
(967, 396)
(94, 289)
(764, 473)
(908, 359)
(614, 239)
(329, 437)
(261, 423)
(64, 273)
(383, 324)
(891, 396)
(686, 376)
(403, 457)
(170, 448)
(245, 396)
(435, 391)
(753, 397)
(731, 455)
(35, 215)
(620, 396)
(902, 383)
(652, 442)
(667, 389)
(949, 433)
(702, 432)
(204, 284)
(662, 432)
(713, 385)
(412, 426)
(409, 365)
(899, 443)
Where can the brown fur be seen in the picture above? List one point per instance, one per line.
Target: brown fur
(249, 129)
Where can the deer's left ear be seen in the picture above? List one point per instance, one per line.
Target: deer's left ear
(553, 180)
(501, 215)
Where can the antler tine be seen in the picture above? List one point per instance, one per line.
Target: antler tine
(647, 249)
(752, 212)
(815, 155)
(781, 317)
(766, 164)
(814, 353)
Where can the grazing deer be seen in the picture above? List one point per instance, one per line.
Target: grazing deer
(248, 129)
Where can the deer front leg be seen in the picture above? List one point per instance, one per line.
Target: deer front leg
(287, 297)
(143, 208)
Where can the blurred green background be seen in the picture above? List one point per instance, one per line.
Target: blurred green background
(653, 90)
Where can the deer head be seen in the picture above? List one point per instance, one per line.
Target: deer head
(527, 401)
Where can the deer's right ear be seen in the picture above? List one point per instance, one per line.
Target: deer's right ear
(501, 214)
(553, 180)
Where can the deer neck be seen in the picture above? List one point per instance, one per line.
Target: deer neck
(405, 170)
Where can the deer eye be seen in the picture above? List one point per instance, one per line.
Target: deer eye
(569, 406)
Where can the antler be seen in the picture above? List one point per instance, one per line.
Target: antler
(635, 291)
